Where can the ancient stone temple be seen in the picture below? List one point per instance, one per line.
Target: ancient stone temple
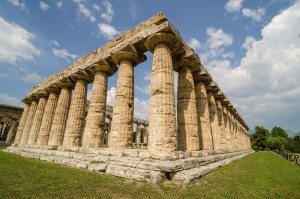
(206, 132)
(9, 121)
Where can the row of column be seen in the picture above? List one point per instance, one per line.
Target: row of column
(8, 130)
(57, 118)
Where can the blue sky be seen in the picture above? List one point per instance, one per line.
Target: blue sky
(251, 48)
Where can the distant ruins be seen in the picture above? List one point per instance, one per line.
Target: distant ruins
(209, 131)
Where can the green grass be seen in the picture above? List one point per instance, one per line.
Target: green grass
(259, 175)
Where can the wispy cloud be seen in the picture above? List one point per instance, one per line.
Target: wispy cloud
(32, 77)
(255, 14)
(59, 4)
(108, 15)
(233, 5)
(15, 43)
(96, 7)
(55, 43)
(18, 3)
(108, 31)
(82, 9)
(132, 9)
(63, 53)
(194, 43)
(10, 100)
(44, 6)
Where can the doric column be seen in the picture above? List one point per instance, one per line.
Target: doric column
(188, 134)
(227, 127)
(22, 122)
(222, 137)
(61, 114)
(138, 133)
(28, 122)
(213, 119)
(75, 122)
(145, 134)
(11, 132)
(162, 117)
(1, 127)
(37, 121)
(47, 118)
(95, 120)
(121, 126)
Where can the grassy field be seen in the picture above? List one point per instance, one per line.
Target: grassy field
(259, 175)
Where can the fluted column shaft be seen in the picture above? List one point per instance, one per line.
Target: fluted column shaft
(28, 122)
(138, 134)
(60, 117)
(121, 125)
(204, 125)
(213, 119)
(188, 138)
(22, 124)
(222, 136)
(47, 119)
(145, 134)
(227, 128)
(75, 122)
(11, 132)
(37, 121)
(95, 120)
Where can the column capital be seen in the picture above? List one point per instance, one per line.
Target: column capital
(134, 57)
(168, 39)
(103, 66)
(52, 88)
(66, 82)
(190, 62)
(81, 75)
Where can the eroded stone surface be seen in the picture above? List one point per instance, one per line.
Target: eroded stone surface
(28, 122)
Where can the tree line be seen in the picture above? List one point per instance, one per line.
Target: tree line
(278, 139)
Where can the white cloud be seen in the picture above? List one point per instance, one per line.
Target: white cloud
(255, 15)
(55, 43)
(132, 9)
(248, 42)
(147, 77)
(111, 96)
(108, 15)
(32, 78)
(18, 3)
(108, 31)
(233, 5)
(217, 38)
(7, 99)
(84, 10)
(15, 43)
(44, 6)
(194, 43)
(141, 108)
(265, 86)
(96, 7)
(144, 89)
(63, 53)
(59, 4)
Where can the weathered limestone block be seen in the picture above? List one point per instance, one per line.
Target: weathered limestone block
(162, 118)
(227, 128)
(120, 135)
(22, 124)
(206, 140)
(95, 120)
(60, 117)
(75, 122)
(11, 132)
(28, 122)
(47, 119)
(37, 121)
(134, 173)
(97, 167)
(188, 138)
(213, 119)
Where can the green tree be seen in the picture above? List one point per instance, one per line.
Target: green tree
(278, 132)
(278, 143)
(258, 139)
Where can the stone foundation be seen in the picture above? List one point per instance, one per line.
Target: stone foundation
(137, 164)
